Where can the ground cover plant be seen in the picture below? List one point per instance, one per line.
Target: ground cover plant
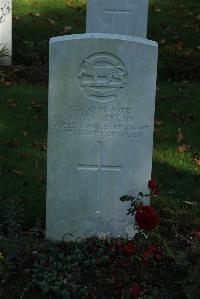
(24, 254)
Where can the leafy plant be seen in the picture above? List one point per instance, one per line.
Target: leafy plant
(3, 51)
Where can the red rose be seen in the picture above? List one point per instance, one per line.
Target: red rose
(153, 186)
(135, 291)
(146, 217)
(129, 248)
(150, 251)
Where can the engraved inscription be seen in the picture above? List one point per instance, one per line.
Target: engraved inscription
(100, 168)
(102, 77)
(4, 10)
(118, 11)
(100, 122)
(91, 219)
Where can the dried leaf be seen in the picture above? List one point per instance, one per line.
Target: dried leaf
(14, 142)
(197, 162)
(8, 83)
(34, 14)
(190, 203)
(18, 172)
(198, 17)
(16, 18)
(158, 123)
(179, 136)
(158, 10)
(37, 106)
(67, 29)
(51, 21)
(25, 133)
(42, 146)
(196, 234)
(163, 41)
(70, 3)
(40, 117)
(12, 103)
(183, 148)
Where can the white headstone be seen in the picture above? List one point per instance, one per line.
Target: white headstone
(127, 17)
(6, 30)
(100, 132)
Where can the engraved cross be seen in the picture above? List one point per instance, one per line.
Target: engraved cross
(100, 168)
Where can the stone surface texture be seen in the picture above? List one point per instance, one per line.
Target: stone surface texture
(127, 17)
(6, 30)
(100, 132)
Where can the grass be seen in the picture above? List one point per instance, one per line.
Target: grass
(23, 147)
(23, 127)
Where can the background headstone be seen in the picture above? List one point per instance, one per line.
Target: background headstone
(6, 30)
(127, 17)
(100, 132)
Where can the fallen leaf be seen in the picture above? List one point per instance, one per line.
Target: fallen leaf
(163, 41)
(37, 106)
(14, 142)
(12, 103)
(25, 133)
(158, 10)
(158, 123)
(191, 203)
(42, 146)
(70, 3)
(179, 136)
(8, 83)
(198, 17)
(67, 29)
(16, 18)
(18, 172)
(51, 21)
(197, 162)
(196, 234)
(40, 117)
(183, 148)
(34, 14)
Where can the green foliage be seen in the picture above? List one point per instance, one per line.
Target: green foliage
(3, 51)
(77, 269)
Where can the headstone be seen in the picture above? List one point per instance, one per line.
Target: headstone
(127, 17)
(6, 30)
(100, 132)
